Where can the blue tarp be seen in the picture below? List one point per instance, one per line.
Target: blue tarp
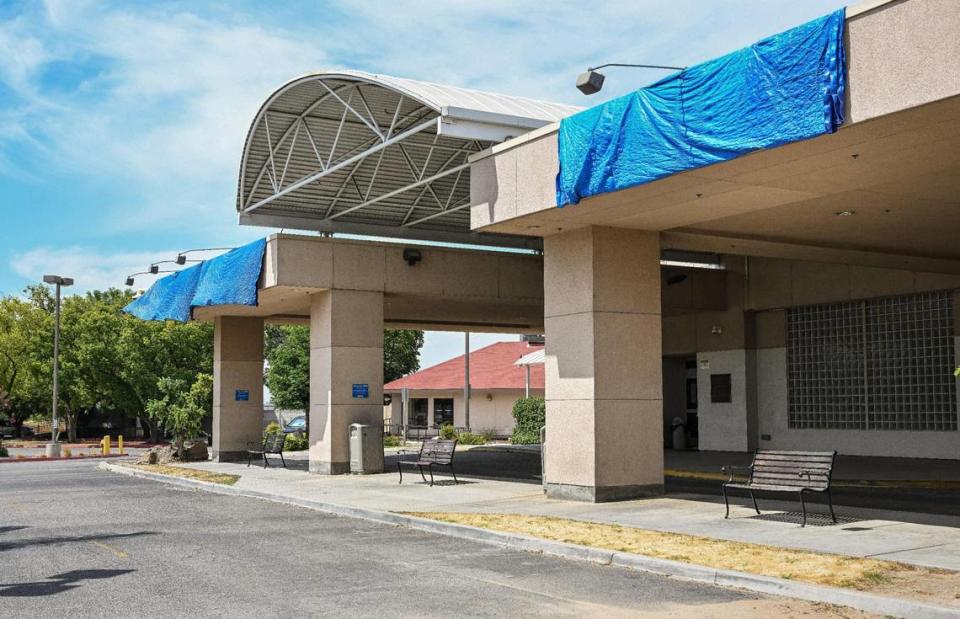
(785, 88)
(229, 279)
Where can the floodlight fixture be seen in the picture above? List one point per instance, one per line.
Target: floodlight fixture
(591, 81)
(182, 256)
(153, 271)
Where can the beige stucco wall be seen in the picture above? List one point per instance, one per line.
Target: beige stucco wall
(752, 349)
(901, 55)
(772, 405)
(490, 410)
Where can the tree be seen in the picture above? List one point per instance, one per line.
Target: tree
(288, 366)
(181, 407)
(288, 361)
(154, 350)
(401, 353)
(110, 361)
(25, 352)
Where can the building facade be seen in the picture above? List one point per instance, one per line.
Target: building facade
(799, 293)
(436, 394)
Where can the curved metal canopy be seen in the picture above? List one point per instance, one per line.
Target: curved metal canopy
(354, 152)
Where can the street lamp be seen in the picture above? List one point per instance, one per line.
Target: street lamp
(53, 448)
(591, 81)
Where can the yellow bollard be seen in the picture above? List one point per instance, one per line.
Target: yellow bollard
(105, 444)
(120, 444)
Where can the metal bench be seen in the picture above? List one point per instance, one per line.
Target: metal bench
(272, 444)
(784, 471)
(432, 453)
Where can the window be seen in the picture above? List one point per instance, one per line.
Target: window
(442, 411)
(418, 412)
(881, 364)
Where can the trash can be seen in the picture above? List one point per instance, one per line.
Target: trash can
(678, 430)
(366, 449)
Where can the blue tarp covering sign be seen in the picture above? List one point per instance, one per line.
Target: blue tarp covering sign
(782, 89)
(229, 279)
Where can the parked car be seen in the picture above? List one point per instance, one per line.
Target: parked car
(295, 425)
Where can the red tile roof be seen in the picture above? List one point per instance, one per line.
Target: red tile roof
(491, 367)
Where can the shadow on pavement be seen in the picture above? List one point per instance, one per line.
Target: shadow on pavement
(13, 528)
(56, 584)
(67, 539)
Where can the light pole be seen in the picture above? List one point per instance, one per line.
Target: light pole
(53, 448)
(466, 380)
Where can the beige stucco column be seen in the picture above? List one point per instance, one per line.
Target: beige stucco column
(346, 349)
(603, 364)
(237, 386)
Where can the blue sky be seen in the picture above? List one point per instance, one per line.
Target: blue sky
(121, 123)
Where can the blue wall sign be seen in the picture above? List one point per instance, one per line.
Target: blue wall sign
(241, 395)
(361, 390)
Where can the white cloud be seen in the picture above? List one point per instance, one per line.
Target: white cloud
(90, 268)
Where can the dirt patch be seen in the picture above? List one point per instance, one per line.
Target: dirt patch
(885, 577)
(179, 471)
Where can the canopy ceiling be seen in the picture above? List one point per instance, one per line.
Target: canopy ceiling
(371, 154)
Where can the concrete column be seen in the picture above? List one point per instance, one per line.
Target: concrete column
(237, 386)
(346, 349)
(603, 364)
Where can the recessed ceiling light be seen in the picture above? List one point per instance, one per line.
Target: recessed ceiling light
(533, 227)
(845, 213)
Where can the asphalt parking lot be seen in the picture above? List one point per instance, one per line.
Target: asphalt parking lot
(82, 542)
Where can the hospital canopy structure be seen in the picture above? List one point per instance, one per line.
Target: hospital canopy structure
(763, 245)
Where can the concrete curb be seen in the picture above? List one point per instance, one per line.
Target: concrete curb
(717, 577)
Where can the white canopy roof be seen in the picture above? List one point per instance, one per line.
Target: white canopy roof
(349, 151)
(533, 358)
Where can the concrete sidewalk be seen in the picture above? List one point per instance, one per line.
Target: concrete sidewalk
(928, 540)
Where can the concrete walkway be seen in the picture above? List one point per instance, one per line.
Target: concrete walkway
(929, 540)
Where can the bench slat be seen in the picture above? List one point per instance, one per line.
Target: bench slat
(790, 481)
(788, 466)
(783, 452)
(786, 458)
(772, 488)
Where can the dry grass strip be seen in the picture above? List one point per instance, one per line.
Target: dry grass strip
(818, 568)
(179, 471)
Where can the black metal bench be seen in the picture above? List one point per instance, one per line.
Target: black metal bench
(432, 453)
(784, 471)
(272, 444)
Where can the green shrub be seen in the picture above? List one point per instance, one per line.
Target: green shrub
(272, 428)
(530, 415)
(447, 432)
(469, 438)
(296, 442)
(392, 440)
(3, 452)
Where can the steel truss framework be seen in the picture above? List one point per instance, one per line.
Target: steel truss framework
(348, 153)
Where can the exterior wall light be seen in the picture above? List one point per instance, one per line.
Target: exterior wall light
(153, 271)
(181, 258)
(591, 81)
(412, 256)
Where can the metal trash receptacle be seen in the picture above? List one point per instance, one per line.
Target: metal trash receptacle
(366, 449)
(678, 430)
